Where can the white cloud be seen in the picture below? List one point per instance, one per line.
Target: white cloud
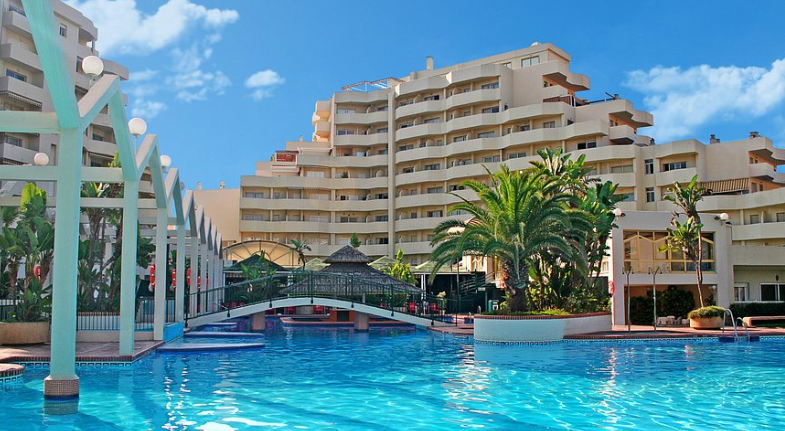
(125, 29)
(147, 108)
(143, 75)
(684, 100)
(262, 82)
(189, 81)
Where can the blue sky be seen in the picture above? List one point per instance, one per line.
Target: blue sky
(225, 83)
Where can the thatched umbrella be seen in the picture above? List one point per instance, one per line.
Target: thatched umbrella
(348, 270)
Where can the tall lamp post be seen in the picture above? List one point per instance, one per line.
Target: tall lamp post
(654, 286)
(627, 271)
(137, 127)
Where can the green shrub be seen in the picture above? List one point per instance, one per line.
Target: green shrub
(675, 302)
(758, 309)
(551, 312)
(707, 312)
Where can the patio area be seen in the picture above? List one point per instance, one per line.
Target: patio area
(85, 352)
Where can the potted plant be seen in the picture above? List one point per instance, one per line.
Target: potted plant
(30, 245)
(707, 317)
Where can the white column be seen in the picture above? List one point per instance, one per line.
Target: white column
(62, 380)
(159, 313)
(194, 275)
(128, 267)
(180, 275)
(203, 274)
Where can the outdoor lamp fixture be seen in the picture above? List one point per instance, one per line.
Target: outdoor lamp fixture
(137, 127)
(92, 67)
(724, 217)
(166, 161)
(41, 159)
(618, 212)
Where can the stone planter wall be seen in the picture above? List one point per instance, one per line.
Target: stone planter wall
(706, 323)
(512, 329)
(24, 333)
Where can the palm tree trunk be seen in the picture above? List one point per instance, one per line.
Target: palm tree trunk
(699, 269)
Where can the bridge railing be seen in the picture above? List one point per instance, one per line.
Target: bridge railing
(346, 287)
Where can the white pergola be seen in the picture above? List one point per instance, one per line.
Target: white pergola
(177, 215)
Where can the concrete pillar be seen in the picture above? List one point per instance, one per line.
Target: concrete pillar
(179, 281)
(128, 267)
(62, 381)
(159, 312)
(194, 276)
(203, 274)
(258, 322)
(360, 321)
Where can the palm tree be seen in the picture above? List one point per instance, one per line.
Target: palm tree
(299, 248)
(688, 236)
(522, 214)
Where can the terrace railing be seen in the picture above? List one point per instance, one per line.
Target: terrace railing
(389, 299)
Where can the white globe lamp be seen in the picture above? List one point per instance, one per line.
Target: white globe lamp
(93, 66)
(166, 161)
(41, 159)
(137, 127)
(618, 212)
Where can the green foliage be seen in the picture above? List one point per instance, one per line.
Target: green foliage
(758, 309)
(549, 312)
(673, 301)
(546, 228)
(707, 312)
(27, 240)
(687, 237)
(300, 247)
(400, 270)
(355, 241)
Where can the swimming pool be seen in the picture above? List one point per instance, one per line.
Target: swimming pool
(333, 379)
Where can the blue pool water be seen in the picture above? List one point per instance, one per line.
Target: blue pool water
(333, 379)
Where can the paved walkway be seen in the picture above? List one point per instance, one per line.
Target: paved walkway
(85, 352)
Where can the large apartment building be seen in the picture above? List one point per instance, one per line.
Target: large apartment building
(23, 88)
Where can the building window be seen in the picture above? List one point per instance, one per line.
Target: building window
(432, 190)
(508, 64)
(585, 145)
(516, 155)
(382, 241)
(530, 61)
(346, 132)
(433, 167)
(407, 170)
(15, 75)
(381, 218)
(643, 250)
(406, 102)
(623, 169)
(382, 130)
(627, 197)
(549, 125)
(459, 138)
(741, 293)
(486, 135)
(436, 213)
(673, 166)
(649, 163)
(649, 194)
(346, 111)
(780, 217)
(381, 108)
(12, 140)
(490, 86)
(491, 110)
(754, 218)
(491, 159)
(772, 292)
(16, 9)
(63, 30)
(433, 120)
(431, 97)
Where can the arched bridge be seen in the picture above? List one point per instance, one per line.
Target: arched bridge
(291, 289)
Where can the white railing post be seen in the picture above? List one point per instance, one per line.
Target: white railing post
(128, 267)
(179, 274)
(159, 312)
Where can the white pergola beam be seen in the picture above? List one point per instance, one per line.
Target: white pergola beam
(97, 98)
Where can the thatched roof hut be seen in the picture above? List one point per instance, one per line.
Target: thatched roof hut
(348, 269)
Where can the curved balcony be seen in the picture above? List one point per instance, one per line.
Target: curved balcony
(312, 227)
(622, 179)
(424, 223)
(679, 175)
(17, 53)
(461, 99)
(622, 134)
(758, 231)
(362, 118)
(313, 182)
(361, 140)
(412, 248)
(342, 162)
(447, 198)
(559, 72)
(313, 204)
(361, 97)
(586, 128)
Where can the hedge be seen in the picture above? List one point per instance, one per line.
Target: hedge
(758, 309)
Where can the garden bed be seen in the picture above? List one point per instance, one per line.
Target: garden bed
(538, 327)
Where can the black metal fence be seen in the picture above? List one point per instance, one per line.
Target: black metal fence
(309, 284)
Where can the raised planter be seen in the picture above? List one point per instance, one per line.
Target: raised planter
(24, 333)
(706, 323)
(514, 329)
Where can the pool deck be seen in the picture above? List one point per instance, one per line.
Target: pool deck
(85, 352)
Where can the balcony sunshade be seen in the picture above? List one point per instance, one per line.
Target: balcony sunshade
(727, 186)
